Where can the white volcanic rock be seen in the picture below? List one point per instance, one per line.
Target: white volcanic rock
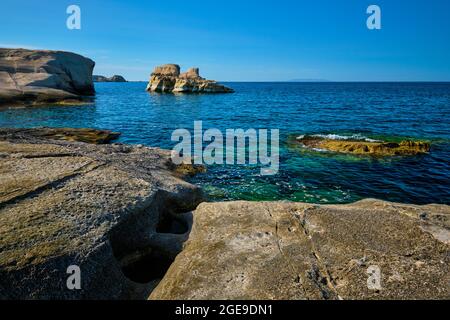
(41, 76)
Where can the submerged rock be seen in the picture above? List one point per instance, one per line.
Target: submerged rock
(68, 134)
(112, 210)
(376, 148)
(114, 78)
(280, 250)
(30, 77)
(167, 78)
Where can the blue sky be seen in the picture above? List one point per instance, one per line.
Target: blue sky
(244, 40)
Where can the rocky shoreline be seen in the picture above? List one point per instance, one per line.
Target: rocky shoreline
(100, 207)
(123, 215)
(36, 77)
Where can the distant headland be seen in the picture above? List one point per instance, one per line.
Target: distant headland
(29, 77)
(114, 78)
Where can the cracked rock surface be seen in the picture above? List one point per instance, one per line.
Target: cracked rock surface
(281, 250)
(98, 207)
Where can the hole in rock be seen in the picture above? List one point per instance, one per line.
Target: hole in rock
(171, 224)
(152, 266)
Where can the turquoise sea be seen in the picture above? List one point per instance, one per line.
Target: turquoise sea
(368, 110)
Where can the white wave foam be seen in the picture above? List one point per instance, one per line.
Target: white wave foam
(333, 136)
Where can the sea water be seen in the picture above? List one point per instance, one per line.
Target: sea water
(366, 111)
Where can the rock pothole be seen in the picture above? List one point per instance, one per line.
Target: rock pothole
(146, 248)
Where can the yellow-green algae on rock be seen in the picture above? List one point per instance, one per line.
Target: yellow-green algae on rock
(359, 147)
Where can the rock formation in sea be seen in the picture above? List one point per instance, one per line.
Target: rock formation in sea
(67, 134)
(114, 78)
(281, 250)
(30, 77)
(167, 78)
(360, 147)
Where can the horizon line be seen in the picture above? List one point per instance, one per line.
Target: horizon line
(324, 81)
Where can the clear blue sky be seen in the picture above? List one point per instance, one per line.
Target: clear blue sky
(243, 40)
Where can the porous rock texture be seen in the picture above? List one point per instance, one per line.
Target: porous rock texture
(282, 250)
(29, 77)
(167, 78)
(103, 208)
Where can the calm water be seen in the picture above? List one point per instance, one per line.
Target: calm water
(374, 110)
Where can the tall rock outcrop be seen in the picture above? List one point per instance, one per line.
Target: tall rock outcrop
(167, 78)
(40, 76)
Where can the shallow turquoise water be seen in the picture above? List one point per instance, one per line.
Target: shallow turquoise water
(373, 110)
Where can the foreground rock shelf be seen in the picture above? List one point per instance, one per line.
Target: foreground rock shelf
(280, 250)
(122, 214)
(104, 208)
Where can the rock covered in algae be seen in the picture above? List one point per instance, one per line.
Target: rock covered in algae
(363, 147)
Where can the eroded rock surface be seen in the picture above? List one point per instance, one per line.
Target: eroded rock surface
(376, 148)
(167, 78)
(281, 250)
(113, 210)
(39, 76)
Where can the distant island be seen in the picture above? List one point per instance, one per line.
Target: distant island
(114, 78)
(309, 80)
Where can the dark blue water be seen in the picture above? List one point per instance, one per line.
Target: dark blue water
(387, 111)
